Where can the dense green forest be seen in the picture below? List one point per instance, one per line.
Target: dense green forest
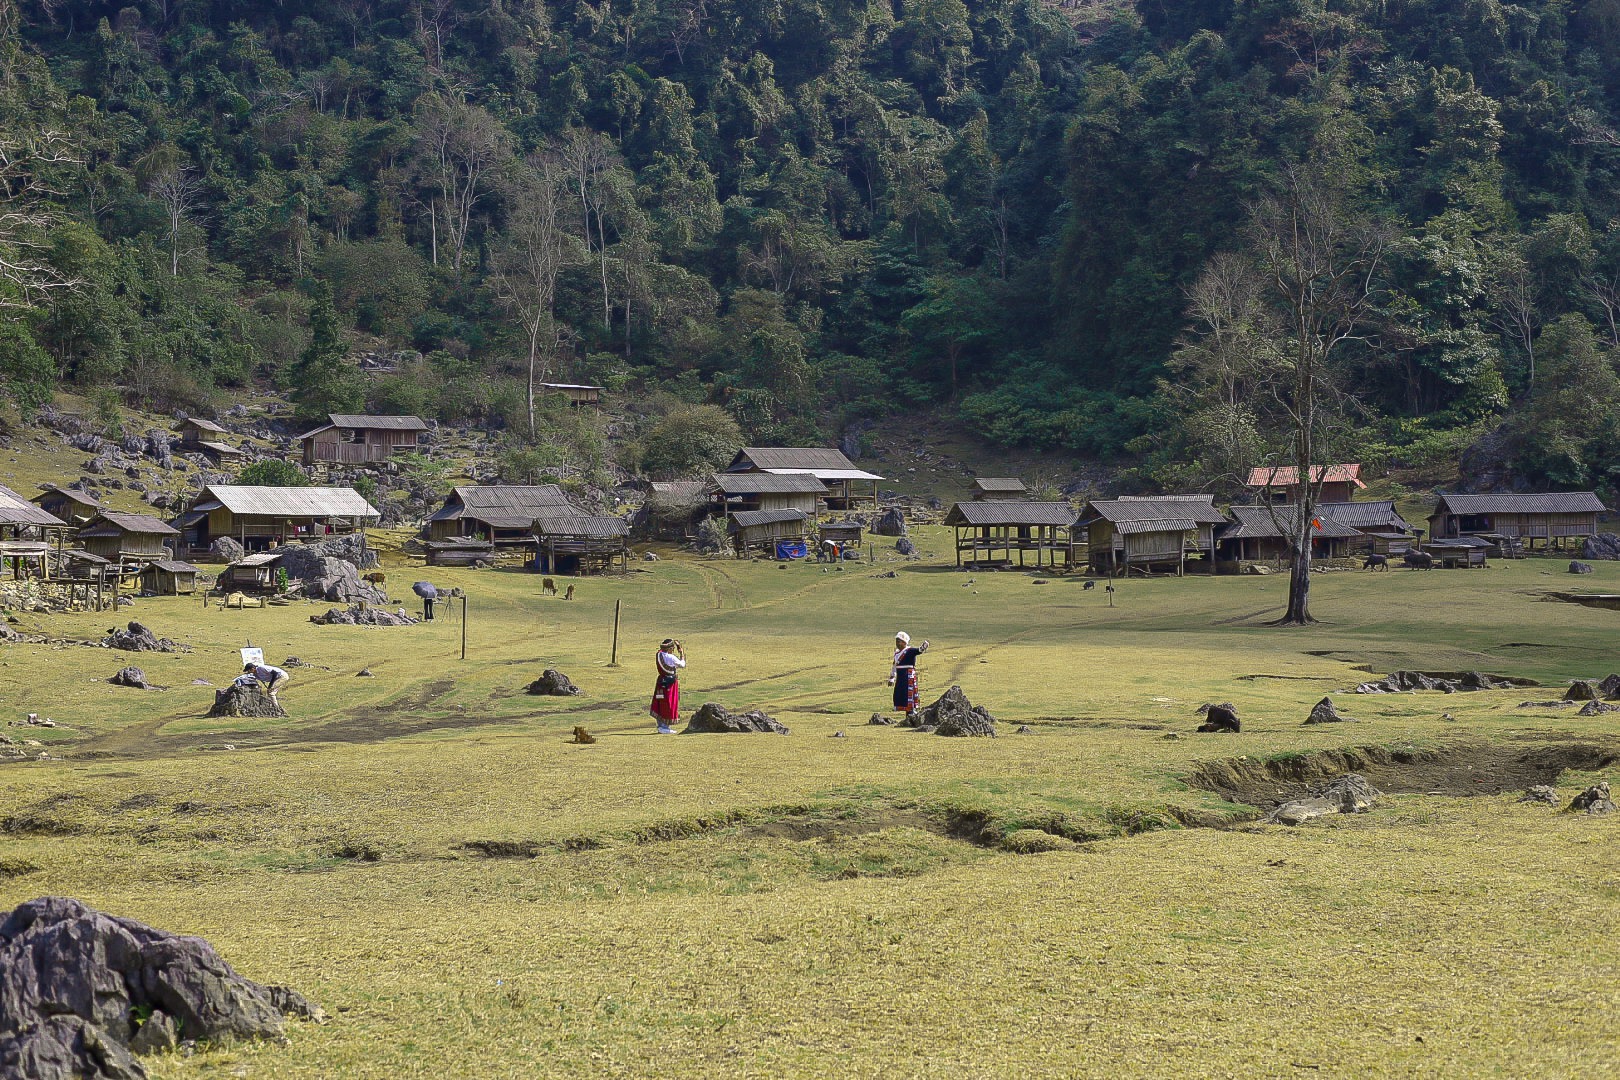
(1049, 220)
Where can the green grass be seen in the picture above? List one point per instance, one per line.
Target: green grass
(716, 906)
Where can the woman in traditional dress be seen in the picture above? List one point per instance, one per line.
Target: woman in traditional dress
(903, 673)
(666, 702)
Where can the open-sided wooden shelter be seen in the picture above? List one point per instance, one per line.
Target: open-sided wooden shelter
(1150, 533)
(576, 543)
(992, 532)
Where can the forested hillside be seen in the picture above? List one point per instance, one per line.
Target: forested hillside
(1053, 221)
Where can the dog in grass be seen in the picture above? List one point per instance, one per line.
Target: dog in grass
(548, 586)
(583, 737)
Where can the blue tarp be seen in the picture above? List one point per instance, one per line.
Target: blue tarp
(792, 549)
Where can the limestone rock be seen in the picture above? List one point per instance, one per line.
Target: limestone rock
(72, 979)
(1602, 547)
(1324, 712)
(1449, 682)
(1609, 687)
(1540, 793)
(224, 550)
(1597, 708)
(137, 638)
(1349, 794)
(355, 615)
(955, 716)
(1578, 567)
(1222, 717)
(238, 699)
(892, 522)
(130, 676)
(1581, 690)
(716, 719)
(1594, 800)
(553, 683)
(881, 720)
(904, 546)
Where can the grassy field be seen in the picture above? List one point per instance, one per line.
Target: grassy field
(469, 894)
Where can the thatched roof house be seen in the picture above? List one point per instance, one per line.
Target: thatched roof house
(1159, 531)
(990, 532)
(1550, 517)
(500, 513)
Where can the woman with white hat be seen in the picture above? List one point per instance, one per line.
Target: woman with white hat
(903, 672)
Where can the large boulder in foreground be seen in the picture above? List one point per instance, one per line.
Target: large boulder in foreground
(80, 990)
(954, 715)
(553, 683)
(1349, 794)
(717, 719)
(240, 700)
(225, 550)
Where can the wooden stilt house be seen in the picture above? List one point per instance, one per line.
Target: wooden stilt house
(127, 541)
(846, 486)
(71, 505)
(576, 543)
(994, 532)
(993, 488)
(1260, 534)
(762, 530)
(502, 514)
(1150, 533)
(1383, 530)
(1551, 519)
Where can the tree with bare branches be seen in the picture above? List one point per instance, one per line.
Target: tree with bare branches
(460, 147)
(179, 191)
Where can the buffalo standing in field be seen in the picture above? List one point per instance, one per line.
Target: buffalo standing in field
(1377, 562)
(1419, 560)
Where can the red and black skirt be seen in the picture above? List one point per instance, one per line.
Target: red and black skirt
(666, 702)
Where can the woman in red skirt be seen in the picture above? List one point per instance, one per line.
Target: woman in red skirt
(666, 702)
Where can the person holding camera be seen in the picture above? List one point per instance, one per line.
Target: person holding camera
(666, 702)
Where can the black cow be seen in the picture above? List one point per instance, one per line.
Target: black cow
(1377, 562)
(1420, 560)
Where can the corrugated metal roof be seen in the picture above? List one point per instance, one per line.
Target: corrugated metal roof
(587, 525)
(679, 492)
(113, 523)
(289, 501)
(568, 386)
(173, 566)
(1011, 512)
(1154, 525)
(765, 458)
(1365, 515)
(205, 425)
(217, 447)
(1288, 475)
(1458, 542)
(16, 510)
(742, 519)
(1279, 521)
(1559, 502)
(377, 423)
(505, 506)
(262, 558)
(999, 483)
(769, 484)
(83, 498)
(828, 474)
(1197, 508)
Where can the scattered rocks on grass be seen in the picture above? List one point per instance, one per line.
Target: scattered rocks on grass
(1222, 717)
(137, 638)
(239, 699)
(1024, 729)
(356, 615)
(1609, 687)
(130, 676)
(82, 992)
(1594, 800)
(364, 673)
(1540, 793)
(892, 522)
(1545, 704)
(225, 550)
(717, 719)
(1597, 708)
(1449, 682)
(955, 716)
(1581, 690)
(887, 574)
(1578, 567)
(1349, 794)
(880, 720)
(1325, 712)
(553, 683)
(904, 546)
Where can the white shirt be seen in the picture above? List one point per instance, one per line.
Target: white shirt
(668, 662)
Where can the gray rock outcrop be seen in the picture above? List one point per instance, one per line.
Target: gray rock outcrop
(904, 546)
(553, 683)
(81, 992)
(355, 615)
(1349, 794)
(130, 676)
(238, 699)
(1540, 793)
(954, 715)
(1325, 712)
(225, 550)
(716, 719)
(1578, 567)
(1446, 682)
(892, 522)
(1581, 690)
(1604, 547)
(137, 638)
(1594, 800)
(880, 720)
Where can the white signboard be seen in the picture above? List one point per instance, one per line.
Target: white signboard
(252, 656)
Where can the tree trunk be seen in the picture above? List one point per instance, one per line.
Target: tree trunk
(1299, 584)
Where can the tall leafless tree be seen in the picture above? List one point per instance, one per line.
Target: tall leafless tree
(459, 148)
(179, 191)
(28, 161)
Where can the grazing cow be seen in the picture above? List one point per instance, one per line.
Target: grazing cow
(376, 577)
(569, 595)
(1419, 560)
(1377, 562)
(1089, 585)
(548, 586)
